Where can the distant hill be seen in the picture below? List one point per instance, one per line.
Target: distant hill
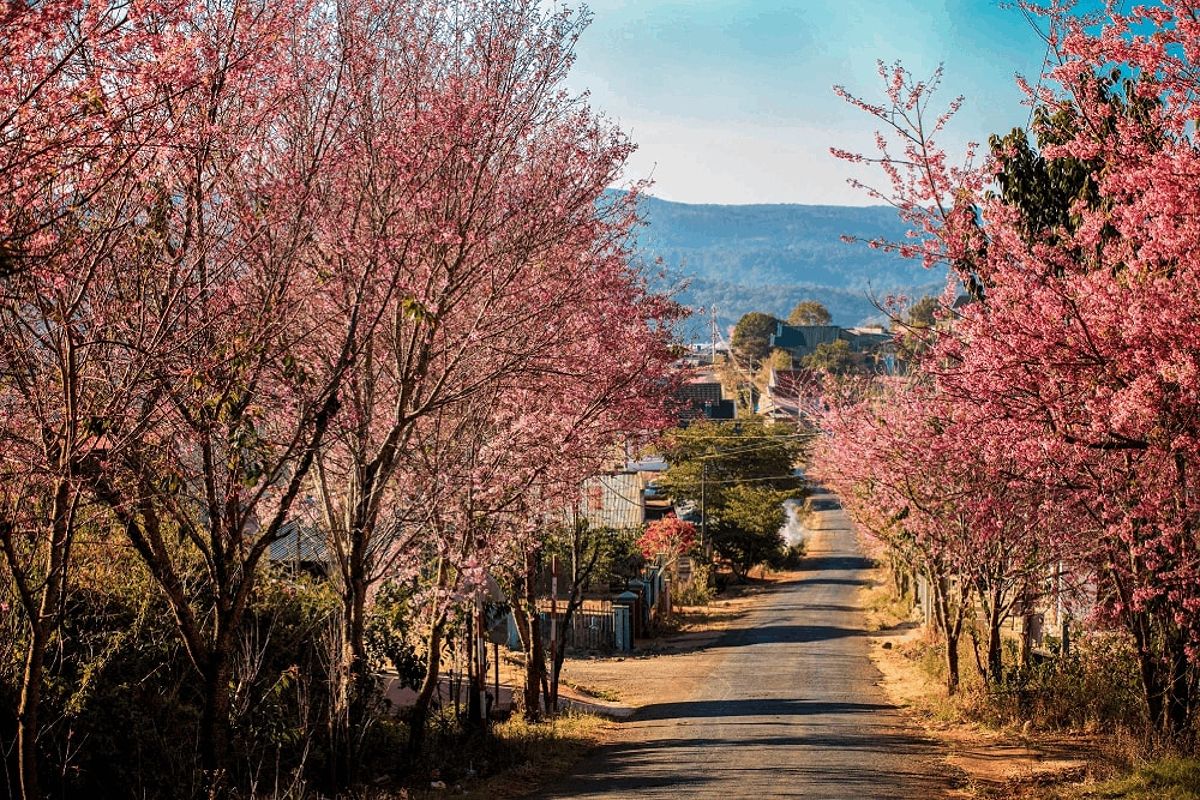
(767, 257)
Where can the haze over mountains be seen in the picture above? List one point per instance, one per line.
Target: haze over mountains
(767, 257)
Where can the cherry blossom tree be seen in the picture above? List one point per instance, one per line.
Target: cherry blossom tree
(1079, 361)
(82, 90)
(914, 475)
(473, 179)
(234, 406)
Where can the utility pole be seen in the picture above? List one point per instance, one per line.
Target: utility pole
(716, 332)
(704, 505)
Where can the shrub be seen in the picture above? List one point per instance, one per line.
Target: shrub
(789, 557)
(1095, 687)
(669, 536)
(696, 592)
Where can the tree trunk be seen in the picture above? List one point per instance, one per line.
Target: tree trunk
(995, 657)
(1179, 693)
(356, 628)
(420, 711)
(1027, 631)
(214, 724)
(40, 606)
(951, 664)
(28, 725)
(949, 622)
(531, 639)
(359, 681)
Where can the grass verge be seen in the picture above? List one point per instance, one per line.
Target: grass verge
(1165, 779)
(521, 756)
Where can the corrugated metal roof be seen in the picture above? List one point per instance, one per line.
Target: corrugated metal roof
(613, 501)
(298, 543)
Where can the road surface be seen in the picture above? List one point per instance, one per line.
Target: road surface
(788, 705)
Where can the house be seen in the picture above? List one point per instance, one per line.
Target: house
(802, 340)
(790, 394)
(613, 501)
(702, 397)
(872, 345)
(300, 547)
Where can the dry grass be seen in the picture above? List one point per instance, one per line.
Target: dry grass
(520, 757)
(1162, 779)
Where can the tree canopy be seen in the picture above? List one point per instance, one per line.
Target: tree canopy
(809, 312)
(741, 473)
(752, 337)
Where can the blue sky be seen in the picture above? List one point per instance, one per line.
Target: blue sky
(730, 101)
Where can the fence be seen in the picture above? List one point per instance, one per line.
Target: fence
(610, 622)
(592, 624)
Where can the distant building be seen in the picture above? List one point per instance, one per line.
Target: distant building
(702, 398)
(873, 344)
(802, 340)
(790, 394)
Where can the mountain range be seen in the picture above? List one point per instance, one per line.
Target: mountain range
(742, 258)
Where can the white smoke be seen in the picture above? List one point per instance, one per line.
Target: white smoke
(793, 530)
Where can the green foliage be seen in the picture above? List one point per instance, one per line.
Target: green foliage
(741, 473)
(789, 557)
(696, 592)
(1096, 686)
(749, 524)
(122, 683)
(613, 556)
(919, 320)
(752, 337)
(390, 635)
(832, 358)
(1174, 778)
(1043, 189)
(921, 313)
(809, 312)
(723, 454)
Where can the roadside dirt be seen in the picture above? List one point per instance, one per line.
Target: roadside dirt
(1004, 763)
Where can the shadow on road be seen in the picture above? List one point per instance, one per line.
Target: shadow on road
(643, 767)
(824, 503)
(836, 564)
(715, 709)
(784, 634)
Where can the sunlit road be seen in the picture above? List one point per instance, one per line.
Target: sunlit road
(788, 706)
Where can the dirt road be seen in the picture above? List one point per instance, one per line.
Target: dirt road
(783, 704)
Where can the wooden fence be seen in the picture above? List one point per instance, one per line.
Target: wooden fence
(591, 624)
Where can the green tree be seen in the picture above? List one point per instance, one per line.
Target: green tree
(740, 473)
(809, 312)
(917, 327)
(708, 457)
(921, 313)
(777, 360)
(752, 337)
(748, 529)
(832, 358)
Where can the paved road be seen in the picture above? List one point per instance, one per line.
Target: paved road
(789, 706)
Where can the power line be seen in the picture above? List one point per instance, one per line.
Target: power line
(772, 437)
(731, 452)
(751, 480)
